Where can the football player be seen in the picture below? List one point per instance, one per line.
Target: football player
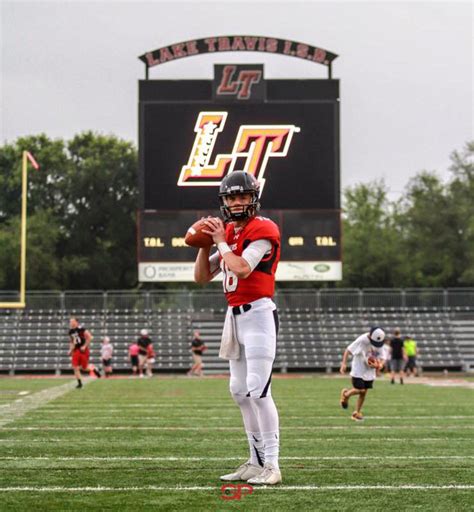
(145, 353)
(368, 355)
(248, 251)
(79, 343)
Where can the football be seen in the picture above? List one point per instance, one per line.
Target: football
(373, 362)
(195, 237)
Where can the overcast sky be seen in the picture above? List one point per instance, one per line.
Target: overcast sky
(406, 70)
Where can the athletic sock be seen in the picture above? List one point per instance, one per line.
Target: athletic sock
(271, 441)
(257, 452)
(79, 383)
(269, 427)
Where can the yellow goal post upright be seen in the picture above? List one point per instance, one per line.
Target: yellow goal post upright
(24, 195)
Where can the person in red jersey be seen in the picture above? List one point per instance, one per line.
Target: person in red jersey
(248, 255)
(79, 343)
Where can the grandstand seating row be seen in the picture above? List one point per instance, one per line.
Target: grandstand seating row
(36, 340)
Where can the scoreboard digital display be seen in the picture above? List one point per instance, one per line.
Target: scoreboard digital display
(288, 138)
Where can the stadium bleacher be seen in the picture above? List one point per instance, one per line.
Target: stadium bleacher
(314, 329)
(463, 331)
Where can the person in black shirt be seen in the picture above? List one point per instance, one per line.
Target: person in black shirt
(145, 353)
(398, 358)
(197, 348)
(79, 343)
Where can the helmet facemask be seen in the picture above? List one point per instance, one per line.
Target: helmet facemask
(247, 210)
(239, 182)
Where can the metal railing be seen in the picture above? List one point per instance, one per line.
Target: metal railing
(356, 299)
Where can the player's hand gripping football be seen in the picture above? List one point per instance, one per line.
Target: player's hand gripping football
(216, 229)
(374, 362)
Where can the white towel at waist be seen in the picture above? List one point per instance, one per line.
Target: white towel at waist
(230, 348)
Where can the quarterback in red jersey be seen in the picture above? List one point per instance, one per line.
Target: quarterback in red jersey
(248, 254)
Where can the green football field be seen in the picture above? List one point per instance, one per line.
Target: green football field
(161, 444)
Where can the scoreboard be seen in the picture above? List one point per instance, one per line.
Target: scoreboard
(194, 132)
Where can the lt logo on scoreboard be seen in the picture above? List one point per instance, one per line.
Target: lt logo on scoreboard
(256, 144)
(238, 83)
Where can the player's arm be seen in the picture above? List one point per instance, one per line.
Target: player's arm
(241, 266)
(404, 354)
(71, 346)
(343, 367)
(384, 354)
(237, 264)
(88, 337)
(202, 270)
(252, 256)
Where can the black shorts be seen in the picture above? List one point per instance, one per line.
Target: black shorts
(134, 360)
(107, 362)
(411, 364)
(361, 383)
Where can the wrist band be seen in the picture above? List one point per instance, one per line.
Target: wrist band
(223, 248)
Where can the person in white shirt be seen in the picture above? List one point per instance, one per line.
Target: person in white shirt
(368, 355)
(106, 352)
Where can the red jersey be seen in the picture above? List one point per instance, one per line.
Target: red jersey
(261, 282)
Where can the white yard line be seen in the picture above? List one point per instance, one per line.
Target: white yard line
(443, 383)
(89, 428)
(181, 402)
(118, 408)
(187, 459)
(129, 442)
(236, 416)
(22, 406)
(420, 487)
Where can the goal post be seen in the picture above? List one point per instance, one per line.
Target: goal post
(24, 196)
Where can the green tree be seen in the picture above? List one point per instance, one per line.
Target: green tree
(45, 187)
(370, 257)
(42, 266)
(461, 195)
(81, 221)
(98, 246)
(85, 190)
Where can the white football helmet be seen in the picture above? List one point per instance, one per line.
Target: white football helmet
(144, 332)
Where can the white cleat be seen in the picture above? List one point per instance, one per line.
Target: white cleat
(244, 472)
(269, 476)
